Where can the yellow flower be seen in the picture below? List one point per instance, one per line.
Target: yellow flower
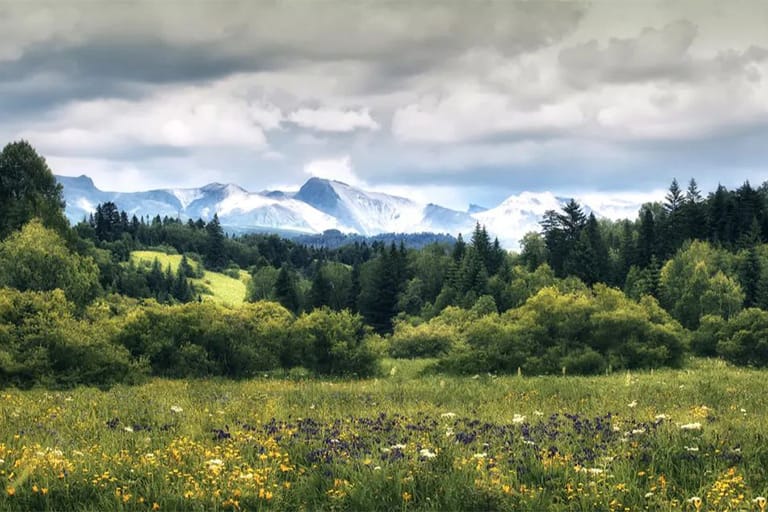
(155, 506)
(10, 491)
(407, 497)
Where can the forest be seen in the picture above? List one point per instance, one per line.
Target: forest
(584, 295)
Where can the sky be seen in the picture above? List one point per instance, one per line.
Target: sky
(453, 102)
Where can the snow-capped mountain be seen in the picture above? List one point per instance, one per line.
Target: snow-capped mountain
(518, 215)
(319, 205)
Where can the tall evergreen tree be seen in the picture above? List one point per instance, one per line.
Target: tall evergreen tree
(215, 256)
(646, 242)
(286, 292)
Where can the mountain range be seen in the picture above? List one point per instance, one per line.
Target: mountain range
(319, 205)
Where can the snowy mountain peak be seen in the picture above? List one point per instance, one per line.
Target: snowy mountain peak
(319, 205)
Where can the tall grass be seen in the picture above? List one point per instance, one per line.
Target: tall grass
(406, 441)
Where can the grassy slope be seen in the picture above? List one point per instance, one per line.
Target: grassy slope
(656, 469)
(224, 289)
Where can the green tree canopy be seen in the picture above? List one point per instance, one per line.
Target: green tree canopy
(27, 190)
(37, 259)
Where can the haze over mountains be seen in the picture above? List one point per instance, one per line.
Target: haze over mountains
(319, 205)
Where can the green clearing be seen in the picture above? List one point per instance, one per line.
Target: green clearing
(407, 441)
(223, 289)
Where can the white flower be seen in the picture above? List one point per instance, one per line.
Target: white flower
(149, 455)
(448, 415)
(616, 429)
(638, 431)
(128, 429)
(480, 455)
(518, 418)
(68, 399)
(2, 461)
(695, 501)
(743, 410)
(648, 495)
(632, 404)
(176, 409)
(691, 426)
(691, 448)
(424, 452)
(538, 413)
(214, 463)
(377, 468)
(398, 447)
(660, 417)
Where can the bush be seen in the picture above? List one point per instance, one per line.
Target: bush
(335, 343)
(41, 342)
(580, 331)
(743, 340)
(426, 340)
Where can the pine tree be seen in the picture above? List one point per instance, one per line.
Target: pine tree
(674, 198)
(646, 242)
(320, 292)
(285, 290)
(215, 256)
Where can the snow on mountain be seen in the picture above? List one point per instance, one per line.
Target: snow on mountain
(318, 206)
(517, 215)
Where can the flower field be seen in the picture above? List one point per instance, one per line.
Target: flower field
(690, 439)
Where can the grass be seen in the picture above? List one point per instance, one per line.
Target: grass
(406, 441)
(219, 287)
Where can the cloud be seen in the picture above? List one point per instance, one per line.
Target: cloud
(653, 54)
(189, 117)
(333, 120)
(469, 114)
(339, 169)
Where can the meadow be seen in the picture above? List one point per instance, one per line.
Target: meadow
(691, 439)
(217, 287)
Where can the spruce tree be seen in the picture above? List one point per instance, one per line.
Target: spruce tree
(285, 290)
(215, 256)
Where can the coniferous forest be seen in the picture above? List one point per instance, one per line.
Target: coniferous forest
(584, 295)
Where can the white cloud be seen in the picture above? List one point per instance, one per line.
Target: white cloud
(476, 113)
(179, 117)
(333, 120)
(339, 169)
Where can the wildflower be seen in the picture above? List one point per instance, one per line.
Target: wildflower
(377, 468)
(480, 455)
(695, 501)
(761, 502)
(176, 409)
(427, 454)
(448, 415)
(538, 413)
(397, 447)
(155, 506)
(632, 404)
(638, 431)
(10, 491)
(518, 419)
(648, 495)
(691, 448)
(660, 417)
(691, 426)
(128, 429)
(407, 497)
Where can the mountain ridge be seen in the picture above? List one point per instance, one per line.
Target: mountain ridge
(318, 206)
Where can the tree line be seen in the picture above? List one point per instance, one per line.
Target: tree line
(689, 275)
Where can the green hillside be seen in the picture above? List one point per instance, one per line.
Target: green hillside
(218, 287)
